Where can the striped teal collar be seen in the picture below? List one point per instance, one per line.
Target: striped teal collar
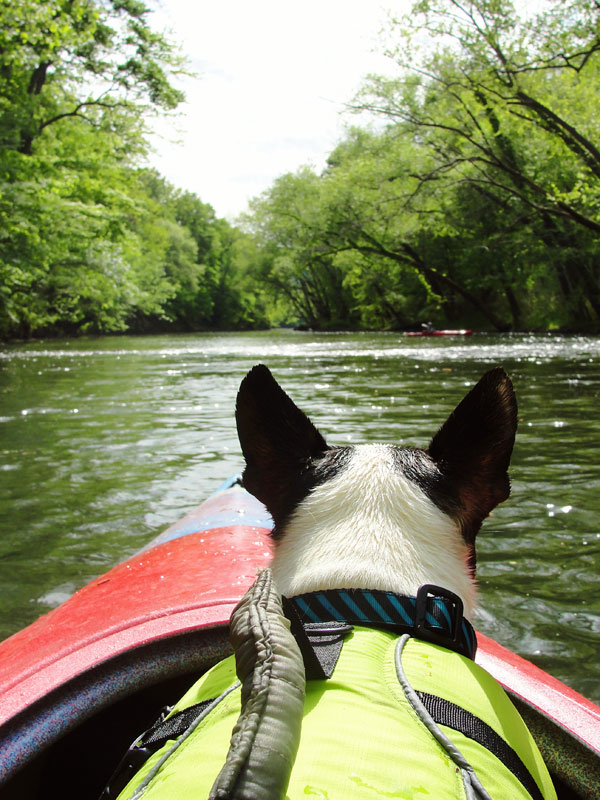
(434, 615)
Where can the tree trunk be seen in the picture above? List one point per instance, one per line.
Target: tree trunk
(513, 304)
(38, 78)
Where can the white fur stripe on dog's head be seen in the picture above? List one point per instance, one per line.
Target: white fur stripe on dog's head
(376, 516)
(371, 527)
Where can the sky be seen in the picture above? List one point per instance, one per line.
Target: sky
(273, 77)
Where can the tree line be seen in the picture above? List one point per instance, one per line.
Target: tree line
(467, 190)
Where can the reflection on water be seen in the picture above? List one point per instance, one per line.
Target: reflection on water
(105, 442)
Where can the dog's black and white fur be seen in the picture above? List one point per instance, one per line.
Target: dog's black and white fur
(376, 516)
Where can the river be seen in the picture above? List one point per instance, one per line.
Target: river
(104, 442)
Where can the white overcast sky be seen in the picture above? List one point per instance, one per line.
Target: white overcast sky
(272, 79)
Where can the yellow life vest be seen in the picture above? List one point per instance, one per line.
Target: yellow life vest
(367, 732)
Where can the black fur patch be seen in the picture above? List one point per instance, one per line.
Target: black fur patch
(422, 470)
(334, 461)
(286, 456)
(316, 472)
(472, 449)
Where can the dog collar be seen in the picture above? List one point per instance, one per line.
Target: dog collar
(435, 615)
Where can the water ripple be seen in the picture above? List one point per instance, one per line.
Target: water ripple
(106, 441)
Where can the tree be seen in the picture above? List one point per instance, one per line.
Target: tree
(505, 107)
(89, 240)
(62, 59)
(77, 78)
(201, 260)
(290, 222)
(63, 217)
(479, 201)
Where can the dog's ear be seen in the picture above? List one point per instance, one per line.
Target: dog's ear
(472, 449)
(278, 442)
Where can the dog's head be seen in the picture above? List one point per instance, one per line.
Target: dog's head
(376, 516)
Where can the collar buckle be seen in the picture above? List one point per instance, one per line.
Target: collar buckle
(439, 623)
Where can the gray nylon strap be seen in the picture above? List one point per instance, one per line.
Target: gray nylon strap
(269, 664)
(473, 787)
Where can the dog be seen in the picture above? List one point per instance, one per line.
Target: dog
(376, 516)
(376, 693)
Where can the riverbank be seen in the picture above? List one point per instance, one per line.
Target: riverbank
(583, 330)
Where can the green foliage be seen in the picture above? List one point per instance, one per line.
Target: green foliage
(89, 241)
(478, 202)
(299, 260)
(62, 59)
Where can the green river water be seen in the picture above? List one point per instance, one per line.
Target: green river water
(105, 442)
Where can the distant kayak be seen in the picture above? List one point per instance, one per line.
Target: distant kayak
(462, 332)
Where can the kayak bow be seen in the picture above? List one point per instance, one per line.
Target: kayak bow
(80, 683)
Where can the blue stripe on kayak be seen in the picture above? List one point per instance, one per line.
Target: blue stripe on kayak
(202, 524)
(233, 480)
(257, 515)
(220, 520)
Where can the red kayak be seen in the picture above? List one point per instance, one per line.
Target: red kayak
(462, 332)
(78, 685)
